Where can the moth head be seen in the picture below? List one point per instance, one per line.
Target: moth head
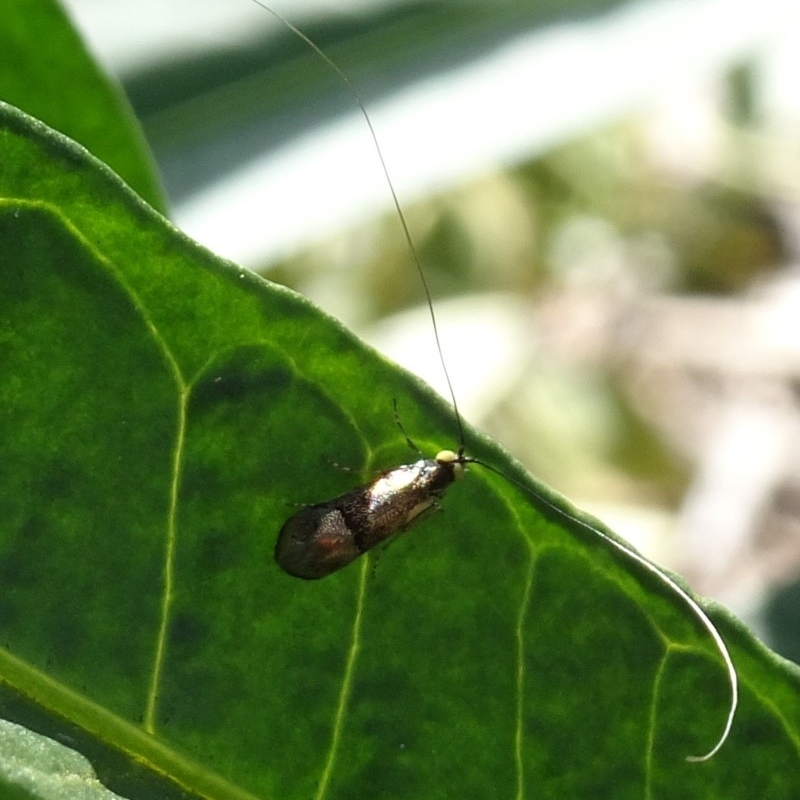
(449, 457)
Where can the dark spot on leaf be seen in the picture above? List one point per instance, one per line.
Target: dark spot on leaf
(249, 372)
(187, 633)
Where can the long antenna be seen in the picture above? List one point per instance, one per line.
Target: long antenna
(673, 585)
(406, 232)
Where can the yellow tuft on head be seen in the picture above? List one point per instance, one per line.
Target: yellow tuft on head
(449, 457)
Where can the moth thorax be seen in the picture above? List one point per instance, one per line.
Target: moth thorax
(449, 457)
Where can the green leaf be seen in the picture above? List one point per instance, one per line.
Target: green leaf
(46, 70)
(165, 411)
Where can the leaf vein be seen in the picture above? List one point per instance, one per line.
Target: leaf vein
(347, 683)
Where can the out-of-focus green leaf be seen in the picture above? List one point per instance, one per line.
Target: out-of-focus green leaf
(162, 413)
(46, 70)
(33, 767)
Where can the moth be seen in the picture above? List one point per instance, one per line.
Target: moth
(324, 537)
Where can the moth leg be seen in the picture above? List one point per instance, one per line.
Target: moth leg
(360, 471)
(399, 423)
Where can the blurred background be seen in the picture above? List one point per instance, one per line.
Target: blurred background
(605, 197)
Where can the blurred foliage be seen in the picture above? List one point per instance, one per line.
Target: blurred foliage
(609, 209)
(83, 106)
